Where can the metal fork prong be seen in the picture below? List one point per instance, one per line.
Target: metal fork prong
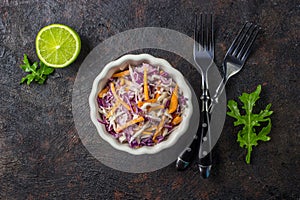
(212, 48)
(241, 42)
(201, 32)
(235, 41)
(244, 43)
(207, 42)
(196, 36)
(246, 53)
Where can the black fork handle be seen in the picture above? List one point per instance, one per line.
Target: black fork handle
(189, 153)
(205, 163)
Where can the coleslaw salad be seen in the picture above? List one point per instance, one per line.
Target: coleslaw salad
(141, 105)
(119, 68)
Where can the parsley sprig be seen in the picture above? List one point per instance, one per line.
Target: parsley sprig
(37, 73)
(248, 136)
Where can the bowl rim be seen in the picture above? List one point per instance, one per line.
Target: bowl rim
(117, 64)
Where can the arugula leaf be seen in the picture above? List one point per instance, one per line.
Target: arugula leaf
(247, 137)
(36, 73)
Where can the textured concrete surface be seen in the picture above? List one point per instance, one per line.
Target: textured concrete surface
(41, 155)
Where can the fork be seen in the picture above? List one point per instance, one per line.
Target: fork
(233, 62)
(204, 56)
(236, 57)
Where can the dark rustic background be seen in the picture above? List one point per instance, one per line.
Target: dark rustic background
(41, 155)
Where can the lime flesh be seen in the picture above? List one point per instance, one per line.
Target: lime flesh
(57, 45)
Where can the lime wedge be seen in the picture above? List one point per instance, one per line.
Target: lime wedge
(57, 45)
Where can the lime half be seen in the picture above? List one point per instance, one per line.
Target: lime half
(57, 45)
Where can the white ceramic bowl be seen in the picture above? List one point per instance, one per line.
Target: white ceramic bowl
(121, 64)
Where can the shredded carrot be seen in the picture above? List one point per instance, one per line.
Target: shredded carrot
(102, 92)
(146, 132)
(174, 100)
(113, 109)
(150, 101)
(121, 74)
(156, 96)
(146, 92)
(129, 123)
(159, 127)
(113, 90)
(176, 120)
(141, 103)
(122, 81)
(134, 109)
(151, 128)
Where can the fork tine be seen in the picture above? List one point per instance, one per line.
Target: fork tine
(206, 32)
(206, 37)
(235, 41)
(244, 42)
(201, 32)
(195, 30)
(196, 39)
(247, 49)
(242, 39)
(212, 46)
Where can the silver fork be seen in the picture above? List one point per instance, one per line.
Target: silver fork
(233, 62)
(236, 57)
(203, 55)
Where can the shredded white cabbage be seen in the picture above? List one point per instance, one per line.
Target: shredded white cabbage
(139, 126)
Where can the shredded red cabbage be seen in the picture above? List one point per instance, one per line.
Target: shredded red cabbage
(131, 118)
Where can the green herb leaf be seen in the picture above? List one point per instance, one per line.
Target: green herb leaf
(36, 73)
(248, 136)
